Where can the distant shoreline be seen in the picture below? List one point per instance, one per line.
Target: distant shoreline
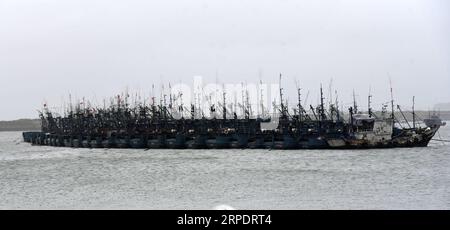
(20, 125)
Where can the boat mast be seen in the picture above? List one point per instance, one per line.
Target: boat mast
(350, 110)
(337, 106)
(192, 112)
(249, 106)
(300, 109)
(414, 113)
(281, 96)
(355, 106)
(224, 105)
(261, 99)
(243, 100)
(392, 102)
(153, 102)
(369, 98)
(170, 97)
(322, 108)
(314, 113)
(181, 105)
(330, 101)
(70, 103)
(235, 105)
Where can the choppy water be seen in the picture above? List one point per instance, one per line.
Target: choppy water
(36, 177)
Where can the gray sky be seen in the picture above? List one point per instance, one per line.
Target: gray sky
(95, 48)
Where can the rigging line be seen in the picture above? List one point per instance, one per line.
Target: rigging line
(439, 134)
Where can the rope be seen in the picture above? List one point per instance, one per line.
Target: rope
(440, 140)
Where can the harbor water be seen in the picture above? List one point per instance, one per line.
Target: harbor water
(42, 177)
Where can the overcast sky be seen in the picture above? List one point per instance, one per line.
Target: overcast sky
(95, 48)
